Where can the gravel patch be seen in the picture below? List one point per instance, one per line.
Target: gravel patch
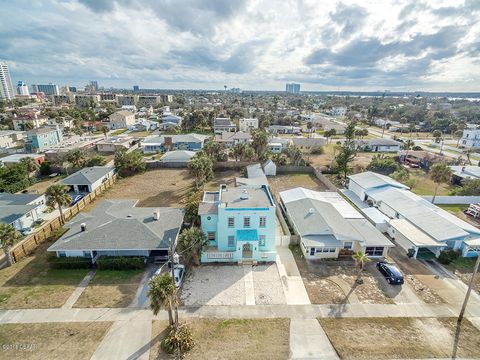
(267, 285)
(225, 285)
(214, 285)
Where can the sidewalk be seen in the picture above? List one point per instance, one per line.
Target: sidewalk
(293, 287)
(79, 290)
(309, 341)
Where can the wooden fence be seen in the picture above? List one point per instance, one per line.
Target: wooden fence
(29, 244)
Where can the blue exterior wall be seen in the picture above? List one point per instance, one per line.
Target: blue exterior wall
(219, 225)
(39, 142)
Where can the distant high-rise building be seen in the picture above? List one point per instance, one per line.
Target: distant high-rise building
(50, 89)
(292, 88)
(94, 85)
(136, 88)
(22, 88)
(6, 88)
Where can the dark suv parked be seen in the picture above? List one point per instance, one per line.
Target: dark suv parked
(390, 272)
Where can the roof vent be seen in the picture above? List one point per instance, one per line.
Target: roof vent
(129, 215)
(311, 210)
(156, 215)
(83, 226)
(244, 194)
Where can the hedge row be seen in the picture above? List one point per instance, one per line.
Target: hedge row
(120, 263)
(69, 262)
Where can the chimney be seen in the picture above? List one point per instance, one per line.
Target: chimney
(156, 215)
(244, 195)
(83, 226)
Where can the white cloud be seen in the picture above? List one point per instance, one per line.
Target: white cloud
(253, 44)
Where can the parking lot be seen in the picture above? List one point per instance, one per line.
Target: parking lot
(232, 284)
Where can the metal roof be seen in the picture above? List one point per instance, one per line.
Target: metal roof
(368, 180)
(419, 212)
(413, 234)
(118, 225)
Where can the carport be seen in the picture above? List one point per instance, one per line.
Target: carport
(413, 239)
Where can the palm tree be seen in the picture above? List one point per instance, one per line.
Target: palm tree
(104, 131)
(408, 145)
(75, 157)
(29, 164)
(360, 259)
(191, 242)
(162, 293)
(8, 237)
(440, 173)
(57, 196)
(468, 152)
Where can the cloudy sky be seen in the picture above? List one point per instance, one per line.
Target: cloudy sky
(251, 44)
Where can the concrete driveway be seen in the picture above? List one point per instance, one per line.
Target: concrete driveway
(232, 285)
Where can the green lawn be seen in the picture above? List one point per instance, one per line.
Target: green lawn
(425, 186)
(111, 288)
(463, 264)
(118, 132)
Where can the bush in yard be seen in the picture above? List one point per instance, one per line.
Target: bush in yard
(69, 262)
(120, 263)
(383, 164)
(447, 256)
(181, 339)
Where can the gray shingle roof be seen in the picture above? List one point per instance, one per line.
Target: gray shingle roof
(17, 199)
(117, 225)
(183, 138)
(87, 176)
(8, 214)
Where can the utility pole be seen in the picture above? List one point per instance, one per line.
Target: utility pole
(171, 256)
(470, 285)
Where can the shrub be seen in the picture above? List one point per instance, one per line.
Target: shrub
(447, 256)
(417, 148)
(45, 168)
(182, 339)
(120, 263)
(317, 151)
(69, 262)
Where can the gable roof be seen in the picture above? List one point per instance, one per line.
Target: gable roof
(118, 225)
(10, 213)
(183, 138)
(7, 199)
(319, 214)
(87, 175)
(368, 180)
(223, 122)
(177, 156)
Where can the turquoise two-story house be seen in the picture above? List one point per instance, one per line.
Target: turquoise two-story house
(40, 139)
(239, 223)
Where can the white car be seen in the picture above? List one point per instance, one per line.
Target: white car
(178, 272)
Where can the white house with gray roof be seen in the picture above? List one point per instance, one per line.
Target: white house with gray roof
(328, 226)
(88, 179)
(21, 210)
(420, 227)
(118, 228)
(190, 142)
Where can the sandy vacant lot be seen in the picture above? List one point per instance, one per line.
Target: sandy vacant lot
(51, 340)
(160, 187)
(231, 339)
(402, 338)
(225, 285)
(289, 181)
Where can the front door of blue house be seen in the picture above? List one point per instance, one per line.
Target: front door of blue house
(247, 251)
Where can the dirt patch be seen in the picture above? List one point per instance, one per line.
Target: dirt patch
(51, 340)
(42, 185)
(31, 284)
(231, 339)
(110, 289)
(226, 177)
(289, 181)
(394, 338)
(161, 187)
(334, 282)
